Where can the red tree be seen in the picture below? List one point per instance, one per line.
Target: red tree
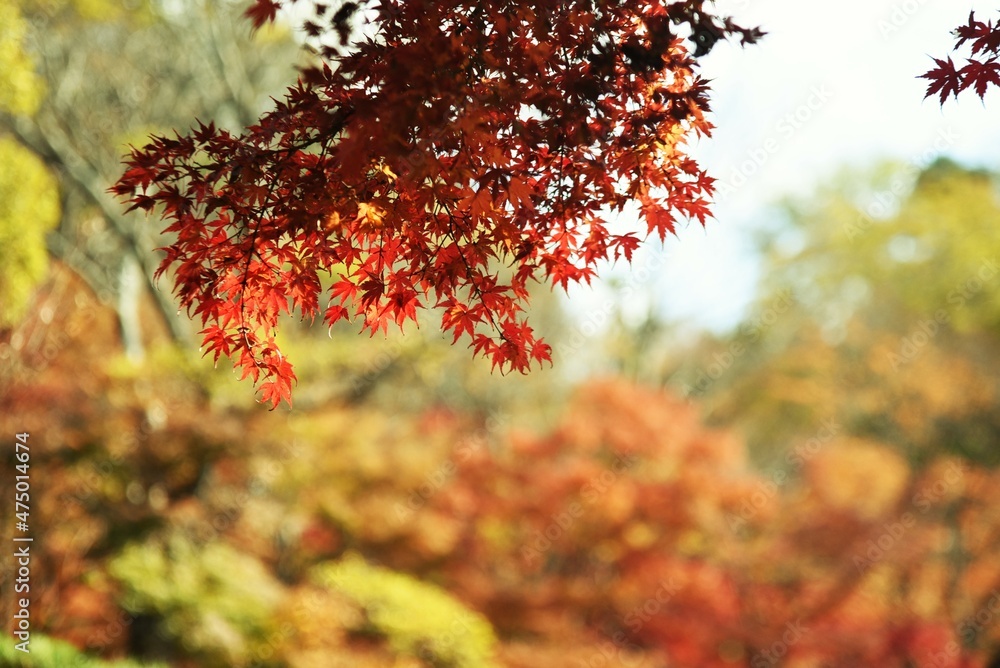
(983, 66)
(456, 153)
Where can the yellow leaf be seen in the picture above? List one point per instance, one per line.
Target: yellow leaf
(332, 221)
(371, 214)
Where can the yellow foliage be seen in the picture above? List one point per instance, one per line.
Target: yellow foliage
(858, 476)
(416, 619)
(20, 87)
(205, 592)
(29, 207)
(90, 10)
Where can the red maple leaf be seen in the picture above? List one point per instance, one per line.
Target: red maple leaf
(982, 70)
(985, 37)
(979, 75)
(448, 163)
(944, 79)
(262, 11)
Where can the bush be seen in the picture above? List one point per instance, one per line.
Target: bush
(51, 653)
(416, 618)
(215, 600)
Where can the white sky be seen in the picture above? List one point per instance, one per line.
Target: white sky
(864, 55)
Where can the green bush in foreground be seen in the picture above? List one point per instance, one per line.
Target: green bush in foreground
(51, 653)
(415, 618)
(215, 600)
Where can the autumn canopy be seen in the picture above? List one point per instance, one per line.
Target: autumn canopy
(440, 154)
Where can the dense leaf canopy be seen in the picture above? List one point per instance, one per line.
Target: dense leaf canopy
(450, 157)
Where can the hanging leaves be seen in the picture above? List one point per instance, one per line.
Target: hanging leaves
(457, 153)
(981, 70)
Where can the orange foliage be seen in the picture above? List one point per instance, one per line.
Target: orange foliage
(630, 532)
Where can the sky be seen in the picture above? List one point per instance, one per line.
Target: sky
(832, 85)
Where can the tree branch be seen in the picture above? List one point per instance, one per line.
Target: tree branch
(51, 144)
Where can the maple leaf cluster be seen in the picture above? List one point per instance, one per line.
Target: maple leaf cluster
(450, 157)
(982, 68)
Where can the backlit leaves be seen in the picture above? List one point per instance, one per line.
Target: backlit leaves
(982, 69)
(456, 154)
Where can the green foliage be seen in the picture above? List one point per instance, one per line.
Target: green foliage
(416, 618)
(51, 653)
(914, 242)
(946, 231)
(211, 597)
(894, 326)
(184, 368)
(29, 207)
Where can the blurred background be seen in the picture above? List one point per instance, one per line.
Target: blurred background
(769, 442)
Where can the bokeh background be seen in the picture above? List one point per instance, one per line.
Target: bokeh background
(769, 442)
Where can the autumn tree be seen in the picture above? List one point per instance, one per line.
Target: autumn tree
(625, 531)
(446, 155)
(873, 313)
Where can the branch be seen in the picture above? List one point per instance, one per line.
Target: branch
(53, 146)
(234, 74)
